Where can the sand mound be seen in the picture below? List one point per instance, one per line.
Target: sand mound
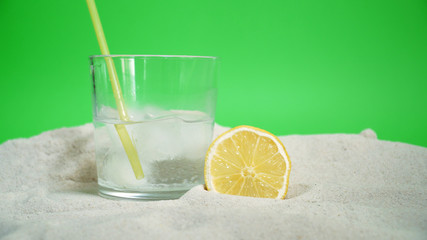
(342, 186)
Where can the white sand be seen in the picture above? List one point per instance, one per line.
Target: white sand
(341, 187)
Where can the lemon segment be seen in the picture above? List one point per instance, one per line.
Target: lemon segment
(248, 161)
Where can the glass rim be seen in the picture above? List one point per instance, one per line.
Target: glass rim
(152, 55)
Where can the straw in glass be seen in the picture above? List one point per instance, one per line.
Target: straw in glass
(120, 128)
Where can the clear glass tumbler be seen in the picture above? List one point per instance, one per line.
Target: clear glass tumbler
(163, 107)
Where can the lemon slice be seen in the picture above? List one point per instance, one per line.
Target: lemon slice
(248, 161)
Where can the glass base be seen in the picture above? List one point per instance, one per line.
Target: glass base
(134, 195)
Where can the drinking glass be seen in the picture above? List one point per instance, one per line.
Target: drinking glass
(167, 112)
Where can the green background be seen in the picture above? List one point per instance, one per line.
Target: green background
(290, 67)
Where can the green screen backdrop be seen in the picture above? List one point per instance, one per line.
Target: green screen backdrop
(290, 67)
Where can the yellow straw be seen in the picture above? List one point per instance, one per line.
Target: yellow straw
(120, 128)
